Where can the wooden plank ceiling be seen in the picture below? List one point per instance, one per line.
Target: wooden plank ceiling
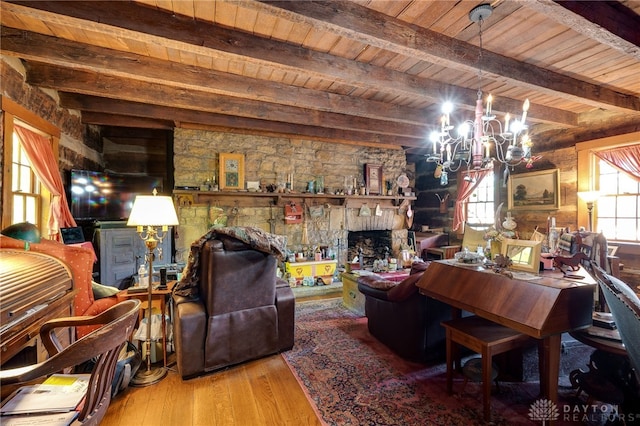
(363, 71)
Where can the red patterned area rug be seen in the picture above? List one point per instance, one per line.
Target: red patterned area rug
(352, 379)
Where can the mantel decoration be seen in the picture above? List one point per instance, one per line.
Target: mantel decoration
(472, 147)
(373, 177)
(231, 171)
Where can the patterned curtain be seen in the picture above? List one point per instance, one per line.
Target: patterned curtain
(38, 149)
(626, 159)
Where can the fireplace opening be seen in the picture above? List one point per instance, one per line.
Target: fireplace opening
(374, 244)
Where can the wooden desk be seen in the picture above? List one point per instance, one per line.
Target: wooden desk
(158, 300)
(543, 308)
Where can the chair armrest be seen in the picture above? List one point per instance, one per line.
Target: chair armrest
(190, 329)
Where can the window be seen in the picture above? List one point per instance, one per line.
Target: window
(618, 210)
(23, 197)
(480, 205)
(25, 187)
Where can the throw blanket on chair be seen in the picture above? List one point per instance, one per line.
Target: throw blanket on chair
(256, 238)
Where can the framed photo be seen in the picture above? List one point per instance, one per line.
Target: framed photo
(373, 178)
(525, 254)
(534, 191)
(231, 171)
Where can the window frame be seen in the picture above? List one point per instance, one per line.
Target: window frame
(12, 113)
(589, 171)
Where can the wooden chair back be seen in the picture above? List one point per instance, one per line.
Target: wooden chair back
(103, 345)
(625, 308)
(595, 246)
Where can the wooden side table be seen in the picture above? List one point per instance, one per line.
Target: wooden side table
(158, 300)
(443, 252)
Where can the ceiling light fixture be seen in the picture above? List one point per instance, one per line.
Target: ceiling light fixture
(475, 139)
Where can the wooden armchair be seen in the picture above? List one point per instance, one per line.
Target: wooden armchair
(104, 344)
(596, 248)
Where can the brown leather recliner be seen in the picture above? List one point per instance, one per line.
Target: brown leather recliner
(242, 310)
(403, 319)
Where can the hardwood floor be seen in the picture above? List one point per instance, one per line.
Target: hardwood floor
(261, 392)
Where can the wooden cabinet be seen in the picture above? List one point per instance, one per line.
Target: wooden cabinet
(351, 296)
(122, 251)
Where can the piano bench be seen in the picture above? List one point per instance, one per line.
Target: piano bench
(484, 337)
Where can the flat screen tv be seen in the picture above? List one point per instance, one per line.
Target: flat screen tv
(105, 196)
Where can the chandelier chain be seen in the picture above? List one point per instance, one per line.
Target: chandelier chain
(480, 59)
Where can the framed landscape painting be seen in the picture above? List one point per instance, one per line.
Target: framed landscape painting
(534, 191)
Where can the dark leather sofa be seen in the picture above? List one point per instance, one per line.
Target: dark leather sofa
(238, 311)
(403, 319)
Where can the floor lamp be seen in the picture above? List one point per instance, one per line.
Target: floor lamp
(589, 197)
(148, 213)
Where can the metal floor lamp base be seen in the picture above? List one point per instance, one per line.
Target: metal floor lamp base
(148, 377)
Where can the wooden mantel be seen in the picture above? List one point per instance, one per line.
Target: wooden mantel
(266, 199)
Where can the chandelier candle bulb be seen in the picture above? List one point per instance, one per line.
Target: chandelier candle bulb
(525, 108)
(506, 122)
(489, 99)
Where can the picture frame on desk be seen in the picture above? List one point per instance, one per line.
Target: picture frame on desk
(231, 171)
(525, 254)
(534, 190)
(373, 178)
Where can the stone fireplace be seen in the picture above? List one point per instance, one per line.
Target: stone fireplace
(376, 244)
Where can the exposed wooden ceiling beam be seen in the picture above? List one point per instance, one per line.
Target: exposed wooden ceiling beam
(101, 108)
(373, 28)
(121, 120)
(130, 21)
(609, 23)
(64, 53)
(91, 83)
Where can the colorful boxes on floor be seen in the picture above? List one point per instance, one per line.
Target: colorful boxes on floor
(315, 269)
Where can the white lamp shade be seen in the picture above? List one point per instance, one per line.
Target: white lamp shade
(153, 210)
(589, 196)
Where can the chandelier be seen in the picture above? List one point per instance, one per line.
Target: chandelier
(485, 139)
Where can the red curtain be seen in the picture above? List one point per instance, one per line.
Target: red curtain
(465, 189)
(40, 153)
(626, 159)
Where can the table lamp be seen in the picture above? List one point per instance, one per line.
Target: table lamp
(589, 197)
(148, 213)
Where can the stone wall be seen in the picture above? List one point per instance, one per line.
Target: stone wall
(79, 145)
(269, 160)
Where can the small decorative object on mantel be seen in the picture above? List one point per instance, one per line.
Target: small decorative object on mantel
(373, 179)
(231, 171)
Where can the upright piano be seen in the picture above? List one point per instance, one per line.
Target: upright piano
(34, 288)
(542, 306)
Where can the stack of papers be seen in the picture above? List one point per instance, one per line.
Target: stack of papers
(60, 393)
